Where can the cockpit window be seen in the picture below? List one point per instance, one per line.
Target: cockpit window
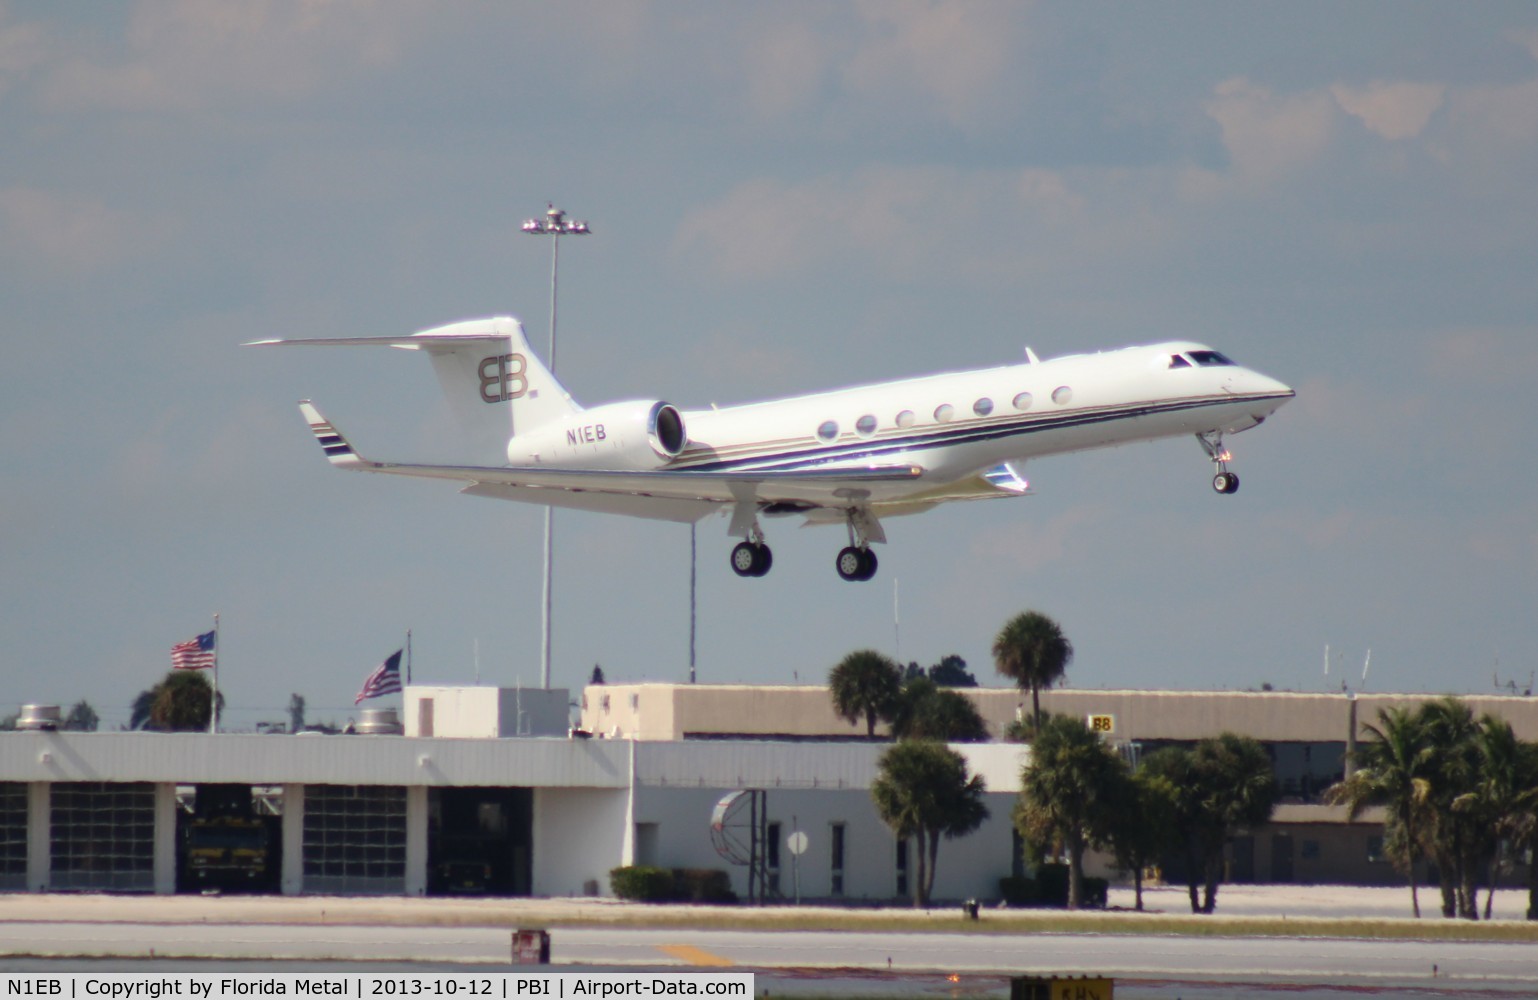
(1209, 359)
(1179, 361)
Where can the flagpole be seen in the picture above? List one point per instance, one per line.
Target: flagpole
(213, 704)
(408, 656)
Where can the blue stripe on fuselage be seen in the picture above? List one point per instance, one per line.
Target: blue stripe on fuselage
(943, 436)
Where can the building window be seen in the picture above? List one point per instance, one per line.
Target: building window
(1375, 850)
(102, 836)
(1310, 850)
(354, 838)
(837, 860)
(902, 866)
(772, 856)
(13, 835)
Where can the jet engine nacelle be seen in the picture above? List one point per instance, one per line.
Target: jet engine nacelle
(632, 436)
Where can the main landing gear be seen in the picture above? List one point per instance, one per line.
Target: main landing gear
(752, 557)
(855, 561)
(1212, 443)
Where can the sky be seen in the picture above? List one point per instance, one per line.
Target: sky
(783, 198)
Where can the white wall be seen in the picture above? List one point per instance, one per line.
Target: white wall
(461, 712)
(968, 867)
(579, 834)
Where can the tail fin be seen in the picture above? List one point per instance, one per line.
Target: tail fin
(494, 383)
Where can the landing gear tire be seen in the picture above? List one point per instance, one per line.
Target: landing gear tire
(855, 563)
(1225, 482)
(751, 559)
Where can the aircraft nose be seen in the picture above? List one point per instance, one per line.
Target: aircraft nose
(1265, 385)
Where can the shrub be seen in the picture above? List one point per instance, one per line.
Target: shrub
(1050, 888)
(1052, 885)
(642, 883)
(1018, 890)
(702, 885)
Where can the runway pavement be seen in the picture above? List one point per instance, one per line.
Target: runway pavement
(70, 929)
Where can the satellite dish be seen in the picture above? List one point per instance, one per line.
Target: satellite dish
(731, 827)
(739, 833)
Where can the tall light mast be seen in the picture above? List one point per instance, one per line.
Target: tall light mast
(555, 225)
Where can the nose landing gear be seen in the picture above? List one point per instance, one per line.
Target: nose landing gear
(1212, 443)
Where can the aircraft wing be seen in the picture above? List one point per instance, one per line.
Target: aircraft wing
(670, 495)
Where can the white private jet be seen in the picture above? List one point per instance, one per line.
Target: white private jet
(851, 456)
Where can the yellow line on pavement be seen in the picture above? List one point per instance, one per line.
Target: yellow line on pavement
(694, 956)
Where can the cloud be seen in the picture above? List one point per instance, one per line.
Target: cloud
(784, 65)
(186, 55)
(1269, 136)
(23, 49)
(1484, 357)
(954, 57)
(1497, 116)
(896, 220)
(1392, 110)
(1528, 39)
(766, 227)
(58, 233)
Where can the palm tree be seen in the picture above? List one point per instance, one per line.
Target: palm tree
(1495, 799)
(923, 792)
(1239, 783)
(865, 683)
(1221, 785)
(1524, 825)
(179, 703)
(1459, 837)
(82, 717)
(1032, 651)
(1392, 770)
(925, 711)
(1069, 793)
(1142, 825)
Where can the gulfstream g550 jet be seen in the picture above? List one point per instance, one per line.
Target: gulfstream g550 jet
(851, 456)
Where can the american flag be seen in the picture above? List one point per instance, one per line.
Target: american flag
(386, 679)
(196, 653)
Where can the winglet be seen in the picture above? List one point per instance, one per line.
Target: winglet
(338, 451)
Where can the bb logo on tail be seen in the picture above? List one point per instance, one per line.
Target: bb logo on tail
(503, 378)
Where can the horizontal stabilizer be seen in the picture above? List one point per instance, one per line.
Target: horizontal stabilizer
(338, 451)
(416, 342)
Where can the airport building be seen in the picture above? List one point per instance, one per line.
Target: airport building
(487, 790)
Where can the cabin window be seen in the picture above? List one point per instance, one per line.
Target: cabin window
(944, 412)
(1061, 395)
(866, 425)
(1022, 401)
(829, 430)
(1179, 361)
(1210, 359)
(983, 407)
(905, 418)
